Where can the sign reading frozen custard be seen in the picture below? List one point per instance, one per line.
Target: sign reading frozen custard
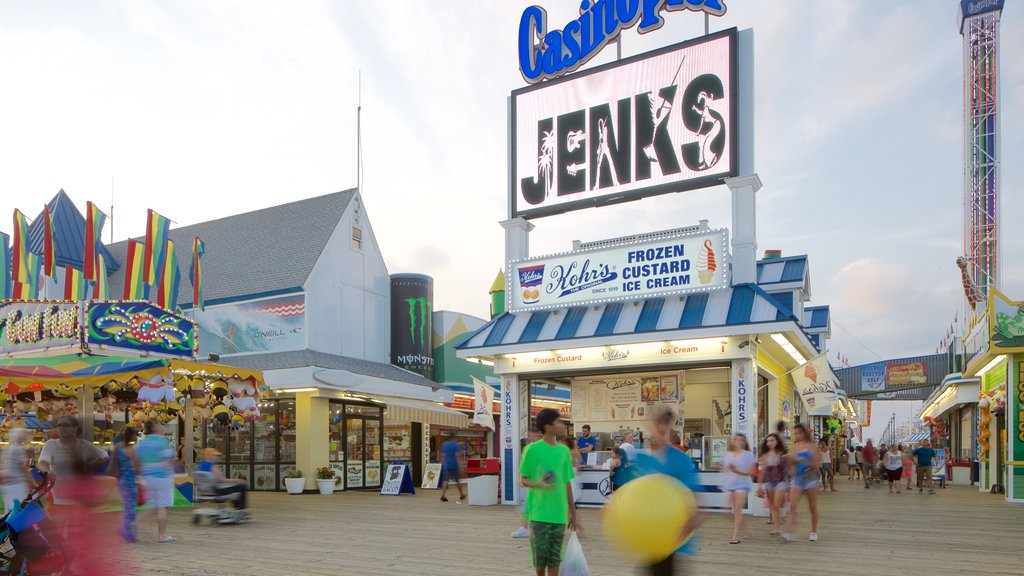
(659, 122)
(669, 265)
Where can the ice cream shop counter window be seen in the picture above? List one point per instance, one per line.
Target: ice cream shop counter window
(356, 443)
(260, 452)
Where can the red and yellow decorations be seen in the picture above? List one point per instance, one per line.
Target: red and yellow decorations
(244, 398)
(984, 424)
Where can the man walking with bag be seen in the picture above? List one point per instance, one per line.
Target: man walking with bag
(547, 471)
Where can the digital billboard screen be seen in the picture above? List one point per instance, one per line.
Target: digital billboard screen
(659, 122)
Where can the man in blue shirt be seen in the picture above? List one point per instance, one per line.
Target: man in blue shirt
(663, 458)
(452, 460)
(586, 444)
(925, 455)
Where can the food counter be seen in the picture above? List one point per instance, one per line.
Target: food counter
(597, 485)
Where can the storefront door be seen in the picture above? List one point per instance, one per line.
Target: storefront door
(363, 448)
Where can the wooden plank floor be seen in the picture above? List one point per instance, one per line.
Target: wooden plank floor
(957, 531)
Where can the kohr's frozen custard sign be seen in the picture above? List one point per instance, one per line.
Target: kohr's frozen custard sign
(544, 54)
(660, 122)
(669, 265)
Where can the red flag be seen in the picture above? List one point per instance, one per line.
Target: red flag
(49, 251)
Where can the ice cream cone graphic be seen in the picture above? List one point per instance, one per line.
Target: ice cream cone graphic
(706, 265)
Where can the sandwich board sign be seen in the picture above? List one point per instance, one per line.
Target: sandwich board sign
(397, 480)
(432, 476)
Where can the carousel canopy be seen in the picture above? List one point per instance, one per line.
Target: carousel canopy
(68, 373)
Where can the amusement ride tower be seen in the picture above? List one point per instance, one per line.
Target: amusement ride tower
(979, 27)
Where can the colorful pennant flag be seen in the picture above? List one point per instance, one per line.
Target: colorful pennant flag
(5, 266)
(167, 290)
(157, 228)
(19, 253)
(29, 290)
(101, 289)
(195, 274)
(94, 220)
(74, 284)
(49, 250)
(134, 287)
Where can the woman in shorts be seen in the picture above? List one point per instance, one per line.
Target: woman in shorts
(828, 479)
(739, 467)
(155, 456)
(892, 465)
(773, 473)
(806, 462)
(908, 466)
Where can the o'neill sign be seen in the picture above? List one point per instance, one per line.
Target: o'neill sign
(544, 54)
(668, 265)
(659, 122)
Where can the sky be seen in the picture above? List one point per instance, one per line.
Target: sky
(204, 109)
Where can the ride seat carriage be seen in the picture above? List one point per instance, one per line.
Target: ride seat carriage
(206, 491)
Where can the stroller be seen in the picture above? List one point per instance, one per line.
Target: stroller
(29, 542)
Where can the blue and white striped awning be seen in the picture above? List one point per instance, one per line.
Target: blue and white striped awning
(915, 438)
(735, 310)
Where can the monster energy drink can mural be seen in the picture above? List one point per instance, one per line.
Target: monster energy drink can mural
(412, 306)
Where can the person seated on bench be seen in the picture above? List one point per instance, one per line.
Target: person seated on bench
(208, 463)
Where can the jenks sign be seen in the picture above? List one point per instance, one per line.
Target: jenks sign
(669, 265)
(659, 122)
(544, 54)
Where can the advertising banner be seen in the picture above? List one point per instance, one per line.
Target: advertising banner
(37, 326)
(138, 327)
(484, 396)
(906, 374)
(272, 325)
(816, 385)
(677, 264)
(610, 357)
(412, 302)
(872, 377)
(658, 122)
(624, 398)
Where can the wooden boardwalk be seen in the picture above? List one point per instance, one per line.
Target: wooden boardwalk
(957, 531)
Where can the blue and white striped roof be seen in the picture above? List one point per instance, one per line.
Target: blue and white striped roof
(787, 273)
(694, 315)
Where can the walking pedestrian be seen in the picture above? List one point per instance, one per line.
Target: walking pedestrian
(16, 476)
(806, 462)
(452, 460)
(547, 471)
(827, 473)
(869, 455)
(156, 458)
(852, 463)
(893, 464)
(126, 464)
(908, 466)
(925, 455)
(860, 462)
(739, 466)
(774, 478)
(661, 458)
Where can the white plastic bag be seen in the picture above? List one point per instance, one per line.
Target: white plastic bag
(573, 562)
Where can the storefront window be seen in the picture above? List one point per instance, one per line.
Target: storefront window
(286, 426)
(372, 429)
(398, 443)
(265, 448)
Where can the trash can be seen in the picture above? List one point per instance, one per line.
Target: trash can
(483, 490)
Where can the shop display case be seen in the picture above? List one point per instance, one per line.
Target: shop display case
(398, 443)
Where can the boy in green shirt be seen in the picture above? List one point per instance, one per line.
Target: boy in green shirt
(546, 471)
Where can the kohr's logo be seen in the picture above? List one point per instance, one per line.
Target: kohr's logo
(419, 315)
(544, 54)
(578, 276)
(530, 279)
(741, 399)
(605, 487)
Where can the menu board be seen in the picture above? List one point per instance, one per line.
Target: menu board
(624, 397)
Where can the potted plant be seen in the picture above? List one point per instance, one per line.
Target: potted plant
(326, 480)
(294, 481)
